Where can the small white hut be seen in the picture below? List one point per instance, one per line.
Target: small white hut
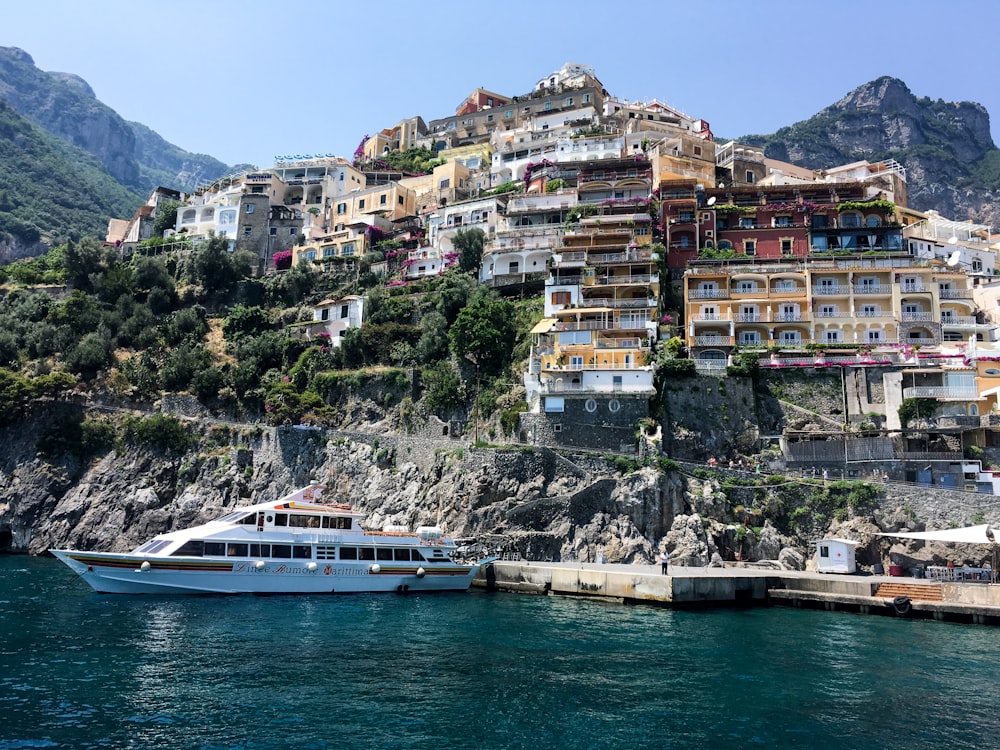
(835, 556)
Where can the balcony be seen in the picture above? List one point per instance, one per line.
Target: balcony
(564, 281)
(962, 321)
(918, 317)
(548, 386)
(702, 317)
(787, 291)
(748, 318)
(910, 288)
(790, 317)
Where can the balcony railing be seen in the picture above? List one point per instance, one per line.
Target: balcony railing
(959, 320)
(643, 278)
(955, 294)
(748, 318)
(918, 317)
(713, 340)
(699, 317)
(831, 289)
(908, 288)
(873, 289)
(616, 303)
(788, 290)
(957, 393)
(563, 280)
(790, 317)
(708, 294)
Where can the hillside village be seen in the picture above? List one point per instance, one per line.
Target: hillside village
(662, 255)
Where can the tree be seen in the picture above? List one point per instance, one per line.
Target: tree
(166, 217)
(245, 322)
(82, 262)
(469, 244)
(484, 332)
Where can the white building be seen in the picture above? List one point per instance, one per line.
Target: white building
(835, 556)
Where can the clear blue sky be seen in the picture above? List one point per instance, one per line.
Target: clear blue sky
(244, 81)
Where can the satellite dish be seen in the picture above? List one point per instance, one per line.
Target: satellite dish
(953, 240)
(711, 200)
(953, 258)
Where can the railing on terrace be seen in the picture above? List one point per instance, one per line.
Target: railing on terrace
(645, 278)
(793, 290)
(708, 294)
(923, 317)
(790, 317)
(563, 280)
(630, 256)
(955, 293)
(873, 289)
(930, 456)
(908, 288)
(713, 340)
(572, 256)
(618, 303)
(831, 289)
(619, 344)
(942, 392)
(711, 366)
(959, 320)
(748, 318)
(699, 317)
(513, 279)
(548, 386)
(597, 366)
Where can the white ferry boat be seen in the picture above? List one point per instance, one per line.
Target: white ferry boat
(296, 545)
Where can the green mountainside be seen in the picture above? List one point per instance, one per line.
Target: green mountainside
(163, 163)
(51, 190)
(951, 161)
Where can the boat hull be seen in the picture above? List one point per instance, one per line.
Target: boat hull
(112, 573)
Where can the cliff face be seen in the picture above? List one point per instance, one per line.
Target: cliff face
(946, 147)
(66, 106)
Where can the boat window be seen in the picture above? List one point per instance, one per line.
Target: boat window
(232, 517)
(302, 552)
(383, 554)
(215, 549)
(281, 550)
(280, 519)
(154, 546)
(366, 553)
(236, 550)
(260, 550)
(415, 555)
(348, 553)
(343, 523)
(193, 548)
(336, 522)
(402, 554)
(301, 521)
(328, 522)
(250, 518)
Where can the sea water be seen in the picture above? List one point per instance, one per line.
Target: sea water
(475, 670)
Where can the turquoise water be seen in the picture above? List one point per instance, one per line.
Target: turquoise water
(476, 670)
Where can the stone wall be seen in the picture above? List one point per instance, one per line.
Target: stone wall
(598, 423)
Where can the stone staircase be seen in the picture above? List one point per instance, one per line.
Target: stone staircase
(923, 592)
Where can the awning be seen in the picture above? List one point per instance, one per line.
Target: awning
(982, 534)
(544, 325)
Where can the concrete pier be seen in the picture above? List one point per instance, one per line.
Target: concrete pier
(748, 586)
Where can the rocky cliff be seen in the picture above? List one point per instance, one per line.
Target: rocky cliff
(946, 147)
(544, 505)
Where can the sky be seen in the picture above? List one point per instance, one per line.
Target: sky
(247, 81)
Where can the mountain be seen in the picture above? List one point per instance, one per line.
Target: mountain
(163, 163)
(50, 190)
(952, 164)
(66, 106)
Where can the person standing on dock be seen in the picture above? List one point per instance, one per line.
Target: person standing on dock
(664, 562)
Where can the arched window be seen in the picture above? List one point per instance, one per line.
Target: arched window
(871, 220)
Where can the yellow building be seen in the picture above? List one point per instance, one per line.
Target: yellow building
(871, 302)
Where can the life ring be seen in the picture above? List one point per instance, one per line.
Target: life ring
(901, 604)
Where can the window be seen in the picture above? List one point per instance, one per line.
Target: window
(292, 230)
(361, 204)
(548, 106)
(343, 310)
(873, 221)
(324, 314)
(746, 222)
(831, 337)
(400, 200)
(686, 216)
(747, 286)
(560, 298)
(750, 177)
(697, 150)
(874, 336)
(586, 98)
(820, 221)
(341, 208)
(749, 338)
(347, 250)
(824, 551)
(382, 199)
(749, 247)
(786, 247)
(247, 230)
(509, 113)
(576, 362)
(249, 208)
(274, 231)
(782, 221)
(850, 220)
(869, 311)
(569, 101)
(514, 267)
(828, 311)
